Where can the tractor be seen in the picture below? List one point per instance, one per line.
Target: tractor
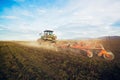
(48, 36)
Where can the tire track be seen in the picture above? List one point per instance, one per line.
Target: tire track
(28, 68)
(36, 58)
(17, 62)
(11, 68)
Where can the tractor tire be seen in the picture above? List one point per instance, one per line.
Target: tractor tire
(109, 56)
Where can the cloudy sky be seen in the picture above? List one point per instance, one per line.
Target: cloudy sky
(25, 19)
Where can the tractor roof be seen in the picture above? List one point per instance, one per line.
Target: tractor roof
(48, 31)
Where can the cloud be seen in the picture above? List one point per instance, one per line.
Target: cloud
(9, 17)
(77, 30)
(69, 19)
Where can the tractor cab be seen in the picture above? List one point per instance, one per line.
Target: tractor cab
(48, 36)
(48, 32)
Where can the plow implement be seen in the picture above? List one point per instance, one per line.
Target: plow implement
(89, 47)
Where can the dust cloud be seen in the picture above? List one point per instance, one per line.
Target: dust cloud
(36, 44)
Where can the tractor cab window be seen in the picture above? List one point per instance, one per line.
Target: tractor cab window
(46, 33)
(50, 33)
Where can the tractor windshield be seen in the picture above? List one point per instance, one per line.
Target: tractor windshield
(50, 33)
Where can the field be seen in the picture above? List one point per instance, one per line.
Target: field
(20, 60)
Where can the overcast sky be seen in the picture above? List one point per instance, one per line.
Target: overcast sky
(25, 19)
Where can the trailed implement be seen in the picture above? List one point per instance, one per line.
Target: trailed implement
(89, 47)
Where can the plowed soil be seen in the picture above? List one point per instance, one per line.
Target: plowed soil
(20, 60)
